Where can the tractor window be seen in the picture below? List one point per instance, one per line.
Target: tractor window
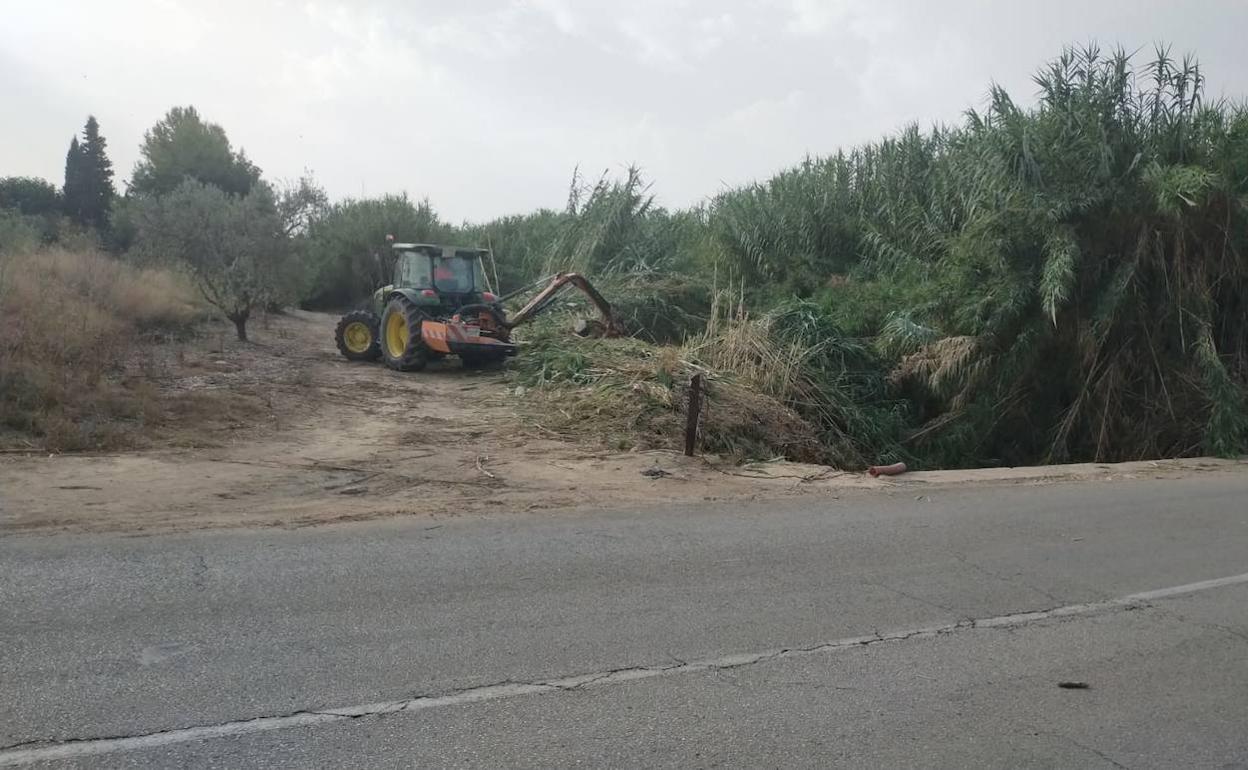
(453, 274)
(413, 270)
(478, 274)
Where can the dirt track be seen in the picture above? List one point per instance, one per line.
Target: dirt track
(329, 440)
(326, 440)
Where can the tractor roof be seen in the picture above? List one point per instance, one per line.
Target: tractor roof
(446, 251)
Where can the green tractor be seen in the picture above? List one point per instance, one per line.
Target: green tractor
(439, 305)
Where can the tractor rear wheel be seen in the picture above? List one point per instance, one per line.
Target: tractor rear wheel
(356, 336)
(402, 346)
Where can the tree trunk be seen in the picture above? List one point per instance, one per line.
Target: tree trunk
(240, 324)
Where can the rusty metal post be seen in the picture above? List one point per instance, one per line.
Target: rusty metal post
(695, 409)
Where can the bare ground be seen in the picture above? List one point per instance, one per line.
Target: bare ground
(284, 432)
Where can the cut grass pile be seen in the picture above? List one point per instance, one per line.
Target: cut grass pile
(632, 394)
(660, 309)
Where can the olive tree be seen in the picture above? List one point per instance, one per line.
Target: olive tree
(234, 246)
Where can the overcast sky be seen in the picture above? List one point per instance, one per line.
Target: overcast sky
(486, 107)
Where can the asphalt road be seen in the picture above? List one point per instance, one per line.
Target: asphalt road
(914, 628)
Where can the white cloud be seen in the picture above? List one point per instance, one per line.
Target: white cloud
(762, 118)
(652, 43)
(712, 32)
(815, 17)
(559, 12)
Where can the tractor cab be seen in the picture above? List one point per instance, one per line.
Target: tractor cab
(450, 276)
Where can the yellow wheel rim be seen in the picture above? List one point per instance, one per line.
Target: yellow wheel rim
(357, 337)
(396, 335)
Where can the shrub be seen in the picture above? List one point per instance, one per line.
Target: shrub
(19, 233)
(347, 255)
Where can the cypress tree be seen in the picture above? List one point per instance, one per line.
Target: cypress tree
(73, 192)
(97, 175)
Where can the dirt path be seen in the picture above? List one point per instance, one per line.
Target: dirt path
(324, 440)
(329, 440)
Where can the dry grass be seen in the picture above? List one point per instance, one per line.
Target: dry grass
(943, 365)
(745, 347)
(68, 321)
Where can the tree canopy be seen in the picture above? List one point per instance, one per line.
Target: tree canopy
(234, 246)
(29, 196)
(183, 145)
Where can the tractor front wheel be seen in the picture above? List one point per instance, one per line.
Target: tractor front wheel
(402, 346)
(356, 336)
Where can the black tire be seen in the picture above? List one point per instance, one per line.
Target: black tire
(402, 347)
(347, 336)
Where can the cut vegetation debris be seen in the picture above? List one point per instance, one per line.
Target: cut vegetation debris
(661, 309)
(762, 398)
(631, 395)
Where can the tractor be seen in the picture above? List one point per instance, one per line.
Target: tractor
(439, 305)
